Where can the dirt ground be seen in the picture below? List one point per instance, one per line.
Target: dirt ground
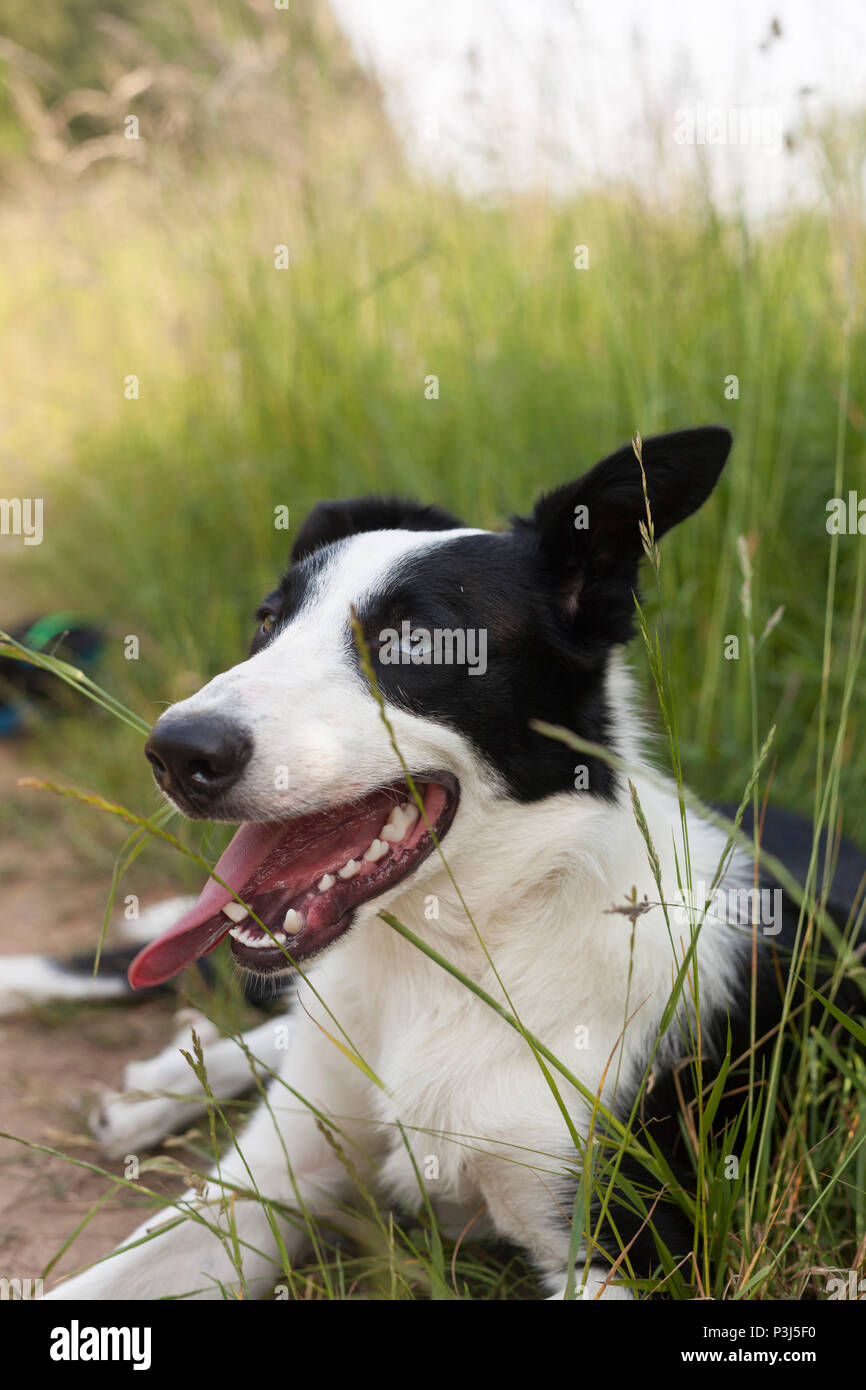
(53, 1064)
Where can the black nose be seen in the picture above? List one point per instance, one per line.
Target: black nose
(197, 758)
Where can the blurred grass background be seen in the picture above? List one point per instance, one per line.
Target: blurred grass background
(261, 387)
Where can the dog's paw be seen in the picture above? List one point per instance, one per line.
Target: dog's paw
(124, 1125)
(596, 1287)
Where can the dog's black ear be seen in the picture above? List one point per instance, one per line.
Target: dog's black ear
(333, 521)
(588, 532)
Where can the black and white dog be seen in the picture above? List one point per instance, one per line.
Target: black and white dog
(538, 843)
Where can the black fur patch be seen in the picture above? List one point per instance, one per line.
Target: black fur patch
(495, 584)
(113, 965)
(334, 521)
(589, 531)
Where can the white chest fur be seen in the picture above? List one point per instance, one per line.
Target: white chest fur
(461, 1088)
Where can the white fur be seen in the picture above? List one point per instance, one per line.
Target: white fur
(539, 879)
(162, 1094)
(28, 981)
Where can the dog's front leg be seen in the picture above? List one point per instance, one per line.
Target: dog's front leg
(225, 1243)
(126, 1123)
(524, 1206)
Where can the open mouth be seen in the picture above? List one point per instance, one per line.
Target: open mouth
(303, 879)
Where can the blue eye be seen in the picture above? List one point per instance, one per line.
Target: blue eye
(416, 643)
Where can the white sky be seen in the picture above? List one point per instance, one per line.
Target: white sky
(511, 93)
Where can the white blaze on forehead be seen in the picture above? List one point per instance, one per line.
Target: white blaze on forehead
(313, 640)
(360, 566)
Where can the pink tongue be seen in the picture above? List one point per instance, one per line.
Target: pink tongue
(197, 932)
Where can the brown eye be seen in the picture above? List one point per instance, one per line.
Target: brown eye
(269, 622)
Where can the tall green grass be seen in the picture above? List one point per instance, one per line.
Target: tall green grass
(798, 1137)
(261, 388)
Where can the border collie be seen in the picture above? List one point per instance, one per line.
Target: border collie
(516, 859)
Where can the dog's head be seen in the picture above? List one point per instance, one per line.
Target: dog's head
(472, 635)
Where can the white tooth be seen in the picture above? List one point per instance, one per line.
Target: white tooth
(375, 852)
(260, 941)
(349, 869)
(399, 821)
(279, 937)
(236, 912)
(236, 934)
(325, 882)
(292, 921)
